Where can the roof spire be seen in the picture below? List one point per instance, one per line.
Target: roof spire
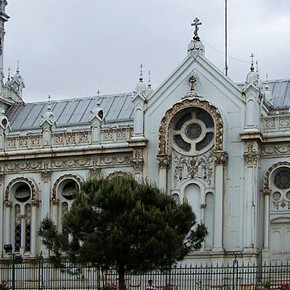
(196, 23)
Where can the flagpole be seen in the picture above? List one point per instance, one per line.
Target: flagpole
(226, 37)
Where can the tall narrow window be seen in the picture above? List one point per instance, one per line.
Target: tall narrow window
(17, 232)
(27, 227)
(22, 217)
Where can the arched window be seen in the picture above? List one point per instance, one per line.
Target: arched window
(280, 188)
(64, 193)
(21, 198)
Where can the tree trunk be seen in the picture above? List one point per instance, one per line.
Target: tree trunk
(121, 272)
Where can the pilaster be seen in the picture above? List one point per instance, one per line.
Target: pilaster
(164, 163)
(251, 161)
(220, 163)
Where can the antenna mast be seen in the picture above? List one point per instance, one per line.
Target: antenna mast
(226, 37)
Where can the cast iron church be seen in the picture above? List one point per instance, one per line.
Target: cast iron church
(221, 146)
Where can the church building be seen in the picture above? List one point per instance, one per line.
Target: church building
(220, 146)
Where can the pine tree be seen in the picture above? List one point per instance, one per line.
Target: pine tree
(121, 223)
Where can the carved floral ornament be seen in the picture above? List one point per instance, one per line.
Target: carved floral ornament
(31, 184)
(163, 146)
(76, 178)
(273, 168)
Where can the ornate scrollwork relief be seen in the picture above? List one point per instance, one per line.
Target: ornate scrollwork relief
(26, 165)
(137, 160)
(221, 158)
(29, 182)
(120, 159)
(252, 153)
(46, 176)
(2, 178)
(82, 162)
(165, 122)
(198, 167)
(95, 173)
(275, 150)
(164, 161)
(76, 178)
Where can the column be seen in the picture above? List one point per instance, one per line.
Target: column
(45, 196)
(34, 228)
(8, 226)
(220, 162)
(267, 220)
(266, 250)
(54, 212)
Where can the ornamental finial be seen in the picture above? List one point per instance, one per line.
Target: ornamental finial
(196, 23)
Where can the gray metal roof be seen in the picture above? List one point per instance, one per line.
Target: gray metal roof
(280, 90)
(74, 112)
(117, 109)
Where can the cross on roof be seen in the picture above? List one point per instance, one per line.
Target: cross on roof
(196, 23)
(141, 72)
(252, 61)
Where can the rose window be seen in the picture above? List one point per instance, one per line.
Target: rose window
(193, 132)
(281, 192)
(282, 179)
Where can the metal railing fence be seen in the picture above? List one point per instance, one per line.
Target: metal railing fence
(39, 274)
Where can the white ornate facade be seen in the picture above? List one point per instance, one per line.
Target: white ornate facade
(220, 146)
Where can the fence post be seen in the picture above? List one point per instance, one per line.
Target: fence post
(235, 273)
(40, 271)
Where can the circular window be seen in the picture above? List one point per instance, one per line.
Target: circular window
(288, 195)
(276, 195)
(193, 132)
(282, 179)
(22, 192)
(69, 188)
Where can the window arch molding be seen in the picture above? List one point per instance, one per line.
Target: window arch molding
(29, 182)
(60, 180)
(117, 173)
(271, 171)
(163, 144)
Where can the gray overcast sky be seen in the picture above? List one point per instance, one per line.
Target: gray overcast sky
(72, 48)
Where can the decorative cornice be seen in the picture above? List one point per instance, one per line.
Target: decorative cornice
(185, 104)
